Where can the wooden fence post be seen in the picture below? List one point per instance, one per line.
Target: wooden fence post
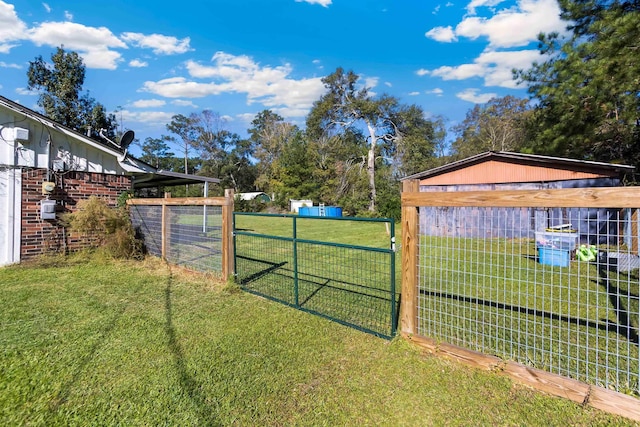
(227, 235)
(410, 243)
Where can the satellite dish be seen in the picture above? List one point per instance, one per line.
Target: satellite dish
(126, 139)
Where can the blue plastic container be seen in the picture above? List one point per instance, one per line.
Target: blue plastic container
(333, 211)
(330, 211)
(555, 257)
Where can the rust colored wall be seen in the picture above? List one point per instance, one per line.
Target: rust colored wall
(40, 236)
(495, 172)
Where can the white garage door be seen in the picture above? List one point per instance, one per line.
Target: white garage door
(10, 215)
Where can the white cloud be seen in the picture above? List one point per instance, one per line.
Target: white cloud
(437, 92)
(246, 117)
(371, 82)
(12, 28)
(442, 34)
(7, 65)
(472, 95)
(460, 72)
(68, 15)
(471, 7)
(26, 92)
(414, 93)
(161, 44)
(148, 103)
(495, 67)
(324, 3)
(422, 72)
(506, 28)
(184, 103)
(270, 86)
(147, 117)
(92, 43)
(517, 26)
(388, 84)
(137, 63)
(46, 7)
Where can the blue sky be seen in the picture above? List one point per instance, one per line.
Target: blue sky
(152, 59)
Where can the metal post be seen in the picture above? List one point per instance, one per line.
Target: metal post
(204, 213)
(394, 317)
(295, 262)
(235, 262)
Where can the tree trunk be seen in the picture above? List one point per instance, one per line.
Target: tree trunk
(371, 168)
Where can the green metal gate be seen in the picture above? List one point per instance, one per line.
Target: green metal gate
(339, 268)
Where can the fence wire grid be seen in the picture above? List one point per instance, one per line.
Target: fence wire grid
(194, 234)
(556, 289)
(351, 284)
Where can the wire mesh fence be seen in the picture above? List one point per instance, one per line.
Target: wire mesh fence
(552, 288)
(335, 278)
(193, 234)
(147, 222)
(196, 237)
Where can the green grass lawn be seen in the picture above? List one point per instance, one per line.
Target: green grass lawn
(91, 342)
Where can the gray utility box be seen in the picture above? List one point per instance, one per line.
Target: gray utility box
(47, 209)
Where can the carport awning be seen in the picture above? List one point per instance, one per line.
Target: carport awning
(166, 179)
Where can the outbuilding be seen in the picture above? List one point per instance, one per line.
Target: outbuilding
(516, 171)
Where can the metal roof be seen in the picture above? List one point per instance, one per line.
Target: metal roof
(164, 178)
(556, 162)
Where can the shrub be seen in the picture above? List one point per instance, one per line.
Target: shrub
(105, 227)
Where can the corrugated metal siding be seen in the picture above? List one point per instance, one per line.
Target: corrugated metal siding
(495, 172)
(441, 221)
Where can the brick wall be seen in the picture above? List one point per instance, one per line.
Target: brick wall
(39, 236)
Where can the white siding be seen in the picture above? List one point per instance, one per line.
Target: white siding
(78, 154)
(10, 207)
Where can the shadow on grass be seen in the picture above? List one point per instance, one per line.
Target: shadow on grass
(63, 395)
(188, 383)
(624, 326)
(272, 266)
(349, 298)
(607, 327)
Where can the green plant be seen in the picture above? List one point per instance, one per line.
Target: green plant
(123, 197)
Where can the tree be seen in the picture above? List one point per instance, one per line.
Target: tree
(587, 88)
(60, 85)
(269, 134)
(382, 121)
(237, 168)
(155, 151)
(183, 127)
(498, 125)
